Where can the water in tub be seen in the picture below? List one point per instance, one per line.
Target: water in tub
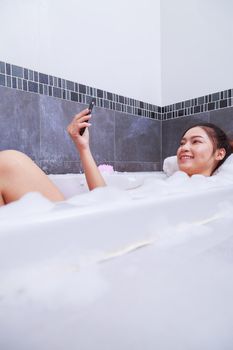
(145, 264)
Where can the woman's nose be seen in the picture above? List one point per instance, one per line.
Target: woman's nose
(185, 146)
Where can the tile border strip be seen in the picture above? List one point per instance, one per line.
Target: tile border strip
(27, 80)
(215, 101)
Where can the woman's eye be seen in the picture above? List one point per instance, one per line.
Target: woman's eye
(196, 141)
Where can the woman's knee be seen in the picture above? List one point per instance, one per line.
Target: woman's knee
(10, 160)
(19, 175)
(14, 169)
(8, 165)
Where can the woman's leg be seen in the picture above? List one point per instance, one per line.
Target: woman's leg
(20, 175)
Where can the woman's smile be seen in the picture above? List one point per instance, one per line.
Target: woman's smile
(185, 157)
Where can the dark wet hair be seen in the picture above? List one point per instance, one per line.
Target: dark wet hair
(218, 138)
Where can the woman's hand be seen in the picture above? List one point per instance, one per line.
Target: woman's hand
(80, 120)
(92, 173)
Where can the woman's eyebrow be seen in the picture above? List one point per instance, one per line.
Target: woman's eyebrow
(192, 137)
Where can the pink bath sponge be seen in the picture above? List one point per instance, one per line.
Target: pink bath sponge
(106, 168)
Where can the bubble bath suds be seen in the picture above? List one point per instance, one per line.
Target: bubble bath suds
(144, 266)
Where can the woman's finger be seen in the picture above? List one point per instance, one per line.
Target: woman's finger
(75, 128)
(81, 114)
(78, 119)
(83, 119)
(76, 123)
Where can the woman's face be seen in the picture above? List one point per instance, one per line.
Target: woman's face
(196, 153)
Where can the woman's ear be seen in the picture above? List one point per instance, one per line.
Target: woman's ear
(220, 153)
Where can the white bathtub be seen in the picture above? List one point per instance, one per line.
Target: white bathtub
(73, 184)
(72, 275)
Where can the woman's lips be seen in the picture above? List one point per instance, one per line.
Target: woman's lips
(185, 157)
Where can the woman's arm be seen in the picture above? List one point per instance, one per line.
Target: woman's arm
(92, 173)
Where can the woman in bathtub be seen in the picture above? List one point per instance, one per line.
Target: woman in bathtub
(203, 148)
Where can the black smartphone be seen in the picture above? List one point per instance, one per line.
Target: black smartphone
(90, 107)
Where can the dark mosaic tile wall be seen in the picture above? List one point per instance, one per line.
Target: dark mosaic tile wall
(24, 79)
(36, 124)
(32, 81)
(132, 135)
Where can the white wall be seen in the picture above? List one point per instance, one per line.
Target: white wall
(111, 45)
(119, 46)
(196, 48)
